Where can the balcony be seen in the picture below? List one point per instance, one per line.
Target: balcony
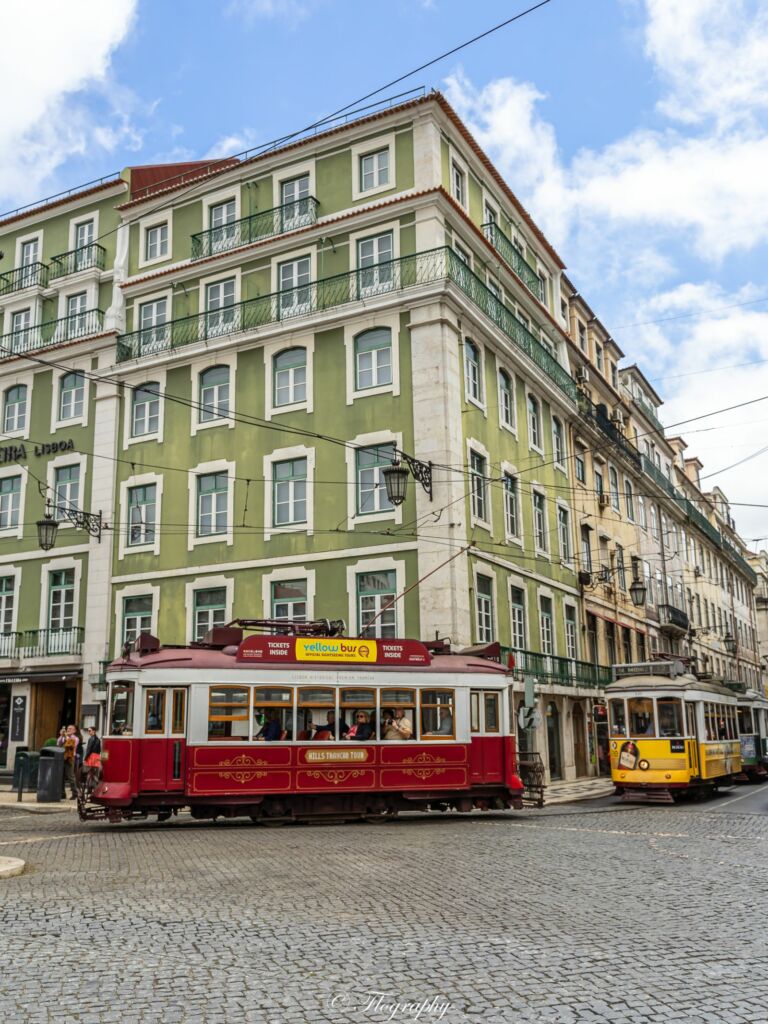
(51, 333)
(514, 259)
(87, 257)
(598, 417)
(31, 276)
(736, 685)
(672, 621)
(277, 221)
(328, 293)
(559, 671)
(9, 643)
(50, 643)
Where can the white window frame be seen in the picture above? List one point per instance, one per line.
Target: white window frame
(461, 165)
(570, 604)
(153, 220)
(224, 195)
(281, 575)
(561, 463)
(371, 440)
(199, 366)
(290, 257)
(489, 573)
(478, 448)
(134, 590)
(202, 292)
(17, 382)
(562, 505)
(508, 469)
(226, 583)
(617, 493)
(351, 330)
(540, 446)
(481, 402)
(60, 565)
(8, 471)
(37, 235)
(285, 455)
(361, 149)
(376, 565)
(68, 459)
(274, 348)
(501, 368)
(150, 373)
(81, 218)
(542, 552)
(287, 174)
(14, 571)
(547, 593)
(139, 480)
(519, 584)
(388, 227)
(203, 469)
(73, 366)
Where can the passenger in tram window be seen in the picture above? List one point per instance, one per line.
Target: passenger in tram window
(446, 723)
(330, 727)
(271, 729)
(362, 729)
(396, 726)
(722, 729)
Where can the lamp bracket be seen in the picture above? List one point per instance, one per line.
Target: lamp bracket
(421, 471)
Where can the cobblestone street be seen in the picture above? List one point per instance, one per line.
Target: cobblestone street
(579, 913)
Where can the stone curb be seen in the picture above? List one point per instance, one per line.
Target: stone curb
(10, 866)
(36, 808)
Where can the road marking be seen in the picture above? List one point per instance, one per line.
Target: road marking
(733, 799)
(45, 839)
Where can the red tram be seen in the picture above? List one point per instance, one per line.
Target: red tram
(295, 727)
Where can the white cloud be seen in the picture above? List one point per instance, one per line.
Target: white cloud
(230, 145)
(49, 118)
(251, 11)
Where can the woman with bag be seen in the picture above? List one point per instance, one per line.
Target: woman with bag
(92, 758)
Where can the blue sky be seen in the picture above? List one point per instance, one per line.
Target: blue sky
(633, 130)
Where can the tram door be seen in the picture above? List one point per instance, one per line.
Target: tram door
(487, 753)
(164, 747)
(690, 728)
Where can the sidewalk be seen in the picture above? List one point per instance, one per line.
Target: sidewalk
(9, 801)
(581, 789)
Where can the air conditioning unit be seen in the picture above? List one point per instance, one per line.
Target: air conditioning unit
(582, 375)
(603, 500)
(618, 417)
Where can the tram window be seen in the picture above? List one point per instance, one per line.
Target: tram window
(437, 713)
(355, 703)
(315, 719)
(228, 712)
(690, 712)
(491, 704)
(154, 711)
(710, 722)
(272, 713)
(670, 716)
(641, 720)
(178, 712)
(121, 710)
(745, 721)
(474, 711)
(618, 718)
(731, 725)
(393, 700)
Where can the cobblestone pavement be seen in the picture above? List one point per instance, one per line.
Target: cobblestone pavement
(580, 913)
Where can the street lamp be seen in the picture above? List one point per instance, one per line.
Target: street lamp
(47, 528)
(396, 476)
(637, 588)
(730, 642)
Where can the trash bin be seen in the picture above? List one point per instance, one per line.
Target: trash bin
(50, 775)
(18, 763)
(29, 764)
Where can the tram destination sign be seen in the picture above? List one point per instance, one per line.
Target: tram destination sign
(270, 650)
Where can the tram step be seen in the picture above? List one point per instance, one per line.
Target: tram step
(647, 796)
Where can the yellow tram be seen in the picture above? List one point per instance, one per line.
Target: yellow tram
(670, 732)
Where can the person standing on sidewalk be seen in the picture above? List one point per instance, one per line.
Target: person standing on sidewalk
(70, 755)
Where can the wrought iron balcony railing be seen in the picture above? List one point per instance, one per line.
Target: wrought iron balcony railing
(51, 333)
(33, 274)
(560, 671)
(87, 257)
(47, 643)
(514, 259)
(672, 620)
(327, 293)
(653, 471)
(277, 221)
(596, 415)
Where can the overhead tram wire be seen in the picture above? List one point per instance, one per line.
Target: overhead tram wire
(275, 144)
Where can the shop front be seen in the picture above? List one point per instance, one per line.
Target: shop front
(34, 707)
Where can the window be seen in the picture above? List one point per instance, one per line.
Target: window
(375, 593)
(154, 711)
(10, 496)
(484, 610)
(373, 359)
(289, 492)
(137, 617)
(621, 570)
(570, 632)
(61, 599)
(599, 483)
(641, 511)
(592, 638)
(142, 506)
(586, 548)
(437, 714)
(371, 489)
(540, 521)
(289, 600)
(221, 222)
(511, 506)
(610, 641)
(156, 242)
(613, 482)
(220, 307)
(210, 610)
(152, 324)
(478, 483)
(214, 394)
(77, 319)
(294, 197)
(228, 712)
(581, 469)
(29, 251)
(618, 718)
(641, 717)
(517, 616)
(374, 170)
(558, 441)
(7, 600)
(641, 647)
(599, 357)
(545, 622)
(294, 286)
(83, 235)
(15, 409)
(458, 184)
(654, 523)
(71, 396)
(564, 533)
(506, 400)
(472, 376)
(66, 486)
(490, 214)
(212, 495)
(374, 264)
(534, 423)
(582, 336)
(145, 410)
(20, 324)
(630, 500)
(289, 377)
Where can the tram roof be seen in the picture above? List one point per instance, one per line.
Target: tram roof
(665, 684)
